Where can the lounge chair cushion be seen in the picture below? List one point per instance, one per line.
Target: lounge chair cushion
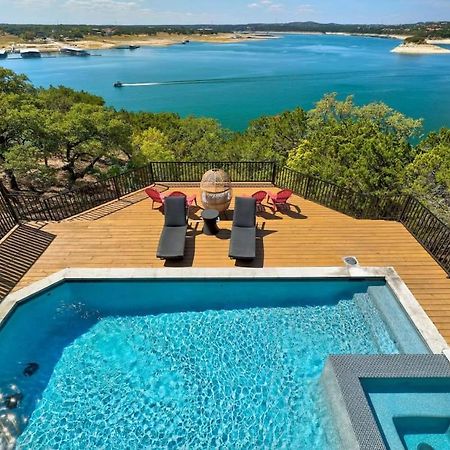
(175, 211)
(172, 242)
(244, 212)
(243, 243)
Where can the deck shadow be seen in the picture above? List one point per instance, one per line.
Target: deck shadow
(110, 208)
(258, 262)
(290, 210)
(18, 252)
(189, 251)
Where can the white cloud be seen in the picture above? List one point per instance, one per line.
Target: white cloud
(102, 4)
(267, 5)
(305, 9)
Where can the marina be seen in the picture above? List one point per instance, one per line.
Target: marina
(74, 51)
(30, 53)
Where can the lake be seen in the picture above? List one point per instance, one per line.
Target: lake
(235, 83)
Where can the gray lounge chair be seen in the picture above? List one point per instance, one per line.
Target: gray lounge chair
(173, 236)
(243, 230)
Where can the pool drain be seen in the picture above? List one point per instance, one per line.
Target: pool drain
(351, 260)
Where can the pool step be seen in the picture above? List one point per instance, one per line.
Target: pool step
(377, 327)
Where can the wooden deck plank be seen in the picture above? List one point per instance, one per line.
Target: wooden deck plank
(126, 233)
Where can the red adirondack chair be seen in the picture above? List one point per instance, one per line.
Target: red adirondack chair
(280, 198)
(259, 196)
(190, 199)
(155, 196)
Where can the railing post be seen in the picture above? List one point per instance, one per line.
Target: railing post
(116, 188)
(274, 172)
(11, 209)
(405, 207)
(152, 176)
(308, 183)
(49, 210)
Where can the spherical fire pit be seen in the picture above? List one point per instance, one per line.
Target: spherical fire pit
(216, 190)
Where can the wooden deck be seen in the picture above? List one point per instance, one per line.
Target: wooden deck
(125, 234)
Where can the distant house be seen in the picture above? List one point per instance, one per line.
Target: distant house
(108, 31)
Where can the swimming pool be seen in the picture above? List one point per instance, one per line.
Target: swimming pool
(191, 363)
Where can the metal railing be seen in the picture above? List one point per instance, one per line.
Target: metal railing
(8, 218)
(428, 229)
(62, 206)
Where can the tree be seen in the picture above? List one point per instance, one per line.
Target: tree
(197, 139)
(364, 148)
(150, 145)
(428, 176)
(272, 137)
(62, 98)
(85, 136)
(13, 83)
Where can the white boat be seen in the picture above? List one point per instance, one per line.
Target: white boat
(3, 54)
(30, 53)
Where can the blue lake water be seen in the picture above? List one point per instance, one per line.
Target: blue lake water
(239, 82)
(185, 364)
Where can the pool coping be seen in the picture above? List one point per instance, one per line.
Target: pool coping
(342, 375)
(411, 306)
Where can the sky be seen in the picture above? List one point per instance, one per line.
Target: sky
(221, 11)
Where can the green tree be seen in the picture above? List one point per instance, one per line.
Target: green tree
(85, 136)
(13, 83)
(62, 98)
(364, 148)
(150, 145)
(197, 139)
(271, 137)
(428, 176)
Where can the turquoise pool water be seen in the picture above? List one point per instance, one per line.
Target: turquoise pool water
(235, 83)
(184, 364)
(411, 413)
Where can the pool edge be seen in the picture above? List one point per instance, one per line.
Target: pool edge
(423, 324)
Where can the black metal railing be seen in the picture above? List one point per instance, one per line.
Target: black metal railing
(62, 206)
(428, 229)
(8, 218)
(254, 171)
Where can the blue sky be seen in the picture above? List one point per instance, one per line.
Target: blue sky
(221, 11)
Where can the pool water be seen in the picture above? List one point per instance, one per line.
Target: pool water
(424, 433)
(137, 365)
(412, 413)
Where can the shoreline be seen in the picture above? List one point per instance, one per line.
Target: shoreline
(166, 40)
(399, 37)
(159, 40)
(420, 49)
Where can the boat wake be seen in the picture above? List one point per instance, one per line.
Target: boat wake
(249, 79)
(205, 81)
(140, 84)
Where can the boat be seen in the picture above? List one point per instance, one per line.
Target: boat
(74, 51)
(127, 47)
(118, 84)
(186, 42)
(3, 54)
(30, 53)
